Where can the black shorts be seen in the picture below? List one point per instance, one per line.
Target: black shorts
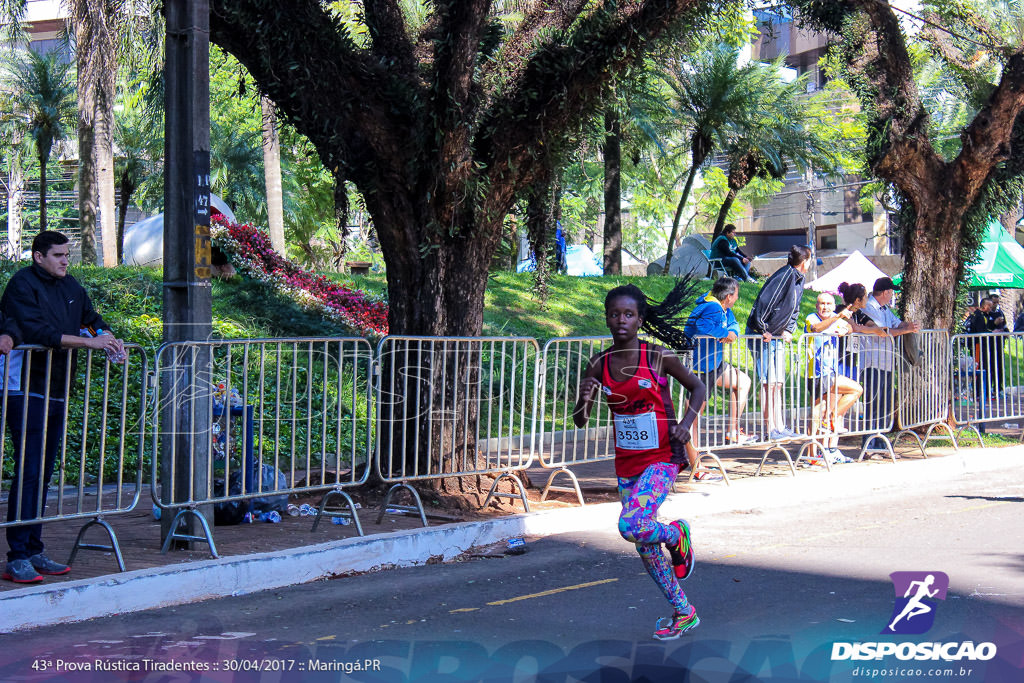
(817, 389)
(711, 376)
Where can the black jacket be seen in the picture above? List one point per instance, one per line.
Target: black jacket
(45, 308)
(778, 303)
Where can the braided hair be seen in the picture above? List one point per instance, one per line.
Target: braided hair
(663, 320)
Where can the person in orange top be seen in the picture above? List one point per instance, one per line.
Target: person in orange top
(650, 445)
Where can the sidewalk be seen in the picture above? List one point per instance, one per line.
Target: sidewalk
(263, 556)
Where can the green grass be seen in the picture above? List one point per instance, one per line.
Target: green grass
(574, 306)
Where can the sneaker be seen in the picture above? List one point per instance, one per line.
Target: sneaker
(682, 552)
(837, 458)
(782, 435)
(21, 571)
(678, 624)
(791, 434)
(740, 438)
(707, 475)
(45, 565)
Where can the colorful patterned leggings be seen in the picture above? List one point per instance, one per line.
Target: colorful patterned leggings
(641, 497)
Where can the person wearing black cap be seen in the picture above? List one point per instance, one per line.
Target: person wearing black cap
(877, 355)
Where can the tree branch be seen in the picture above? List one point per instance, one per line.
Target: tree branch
(305, 61)
(562, 82)
(388, 33)
(546, 16)
(987, 140)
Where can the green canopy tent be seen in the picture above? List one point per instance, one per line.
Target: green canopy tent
(1000, 264)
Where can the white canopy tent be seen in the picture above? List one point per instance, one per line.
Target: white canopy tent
(855, 269)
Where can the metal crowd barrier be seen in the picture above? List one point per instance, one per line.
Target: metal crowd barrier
(925, 386)
(848, 390)
(560, 445)
(987, 375)
(98, 462)
(476, 408)
(278, 417)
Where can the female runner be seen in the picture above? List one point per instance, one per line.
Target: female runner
(650, 446)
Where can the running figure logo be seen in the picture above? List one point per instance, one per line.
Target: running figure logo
(917, 594)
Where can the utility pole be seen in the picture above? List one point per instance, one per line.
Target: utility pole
(186, 417)
(812, 237)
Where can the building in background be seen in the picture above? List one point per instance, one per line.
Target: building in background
(840, 223)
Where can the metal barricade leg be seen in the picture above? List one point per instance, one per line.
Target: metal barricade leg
(321, 510)
(113, 547)
(417, 507)
(495, 493)
(175, 536)
(563, 489)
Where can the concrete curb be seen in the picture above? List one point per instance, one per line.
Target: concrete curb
(132, 591)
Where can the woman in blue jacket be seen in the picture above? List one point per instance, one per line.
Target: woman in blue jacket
(712, 324)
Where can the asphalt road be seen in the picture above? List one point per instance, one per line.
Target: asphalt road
(775, 588)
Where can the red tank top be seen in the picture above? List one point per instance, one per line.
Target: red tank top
(642, 410)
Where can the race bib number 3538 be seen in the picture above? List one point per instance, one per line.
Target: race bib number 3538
(636, 432)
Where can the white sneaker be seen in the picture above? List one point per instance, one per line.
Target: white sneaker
(781, 435)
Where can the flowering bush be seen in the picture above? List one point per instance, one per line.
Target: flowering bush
(252, 255)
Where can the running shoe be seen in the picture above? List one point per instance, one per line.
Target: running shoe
(678, 624)
(740, 438)
(45, 565)
(681, 552)
(782, 435)
(21, 571)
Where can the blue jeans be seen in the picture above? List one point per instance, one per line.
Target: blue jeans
(33, 472)
(736, 267)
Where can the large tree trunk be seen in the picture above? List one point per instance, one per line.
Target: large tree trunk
(928, 293)
(15, 204)
(540, 228)
(272, 176)
(612, 150)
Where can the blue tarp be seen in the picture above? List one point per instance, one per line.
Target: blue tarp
(580, 261)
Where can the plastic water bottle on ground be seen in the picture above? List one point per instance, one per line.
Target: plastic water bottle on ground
(293, 510)
(273, 517)
(307, 510)
(342, 521)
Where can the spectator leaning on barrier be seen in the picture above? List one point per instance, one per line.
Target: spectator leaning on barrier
(774, 317)
(726, 248)
(712, 316)
(988, 351)
(832, 393)
(50, 308)
(877, 356)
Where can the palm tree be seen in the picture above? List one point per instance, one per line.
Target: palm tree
(139, 147)
(715, 98)
(236, 173)
(106, 32)
(44, 100)
(788, 128)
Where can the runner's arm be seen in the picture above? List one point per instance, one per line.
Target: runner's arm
(694, 387)
(589, 386)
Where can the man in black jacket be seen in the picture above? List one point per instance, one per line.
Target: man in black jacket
(774, 317)
(50, 309)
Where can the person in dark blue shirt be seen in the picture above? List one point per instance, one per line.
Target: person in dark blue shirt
(726, 248)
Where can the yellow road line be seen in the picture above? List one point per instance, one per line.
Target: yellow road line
(463, 609)
(550, 592)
